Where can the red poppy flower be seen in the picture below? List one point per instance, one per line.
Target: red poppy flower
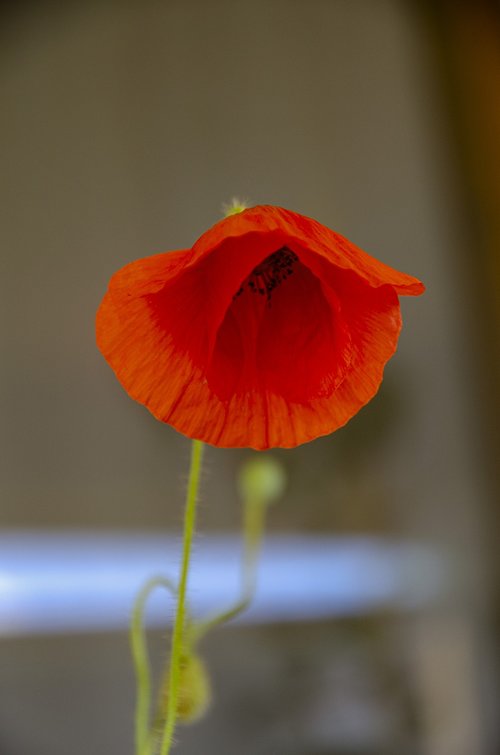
(271, 331)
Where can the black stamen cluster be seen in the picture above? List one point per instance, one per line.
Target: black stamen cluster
(269, 274)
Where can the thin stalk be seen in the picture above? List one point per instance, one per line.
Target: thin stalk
(140, 657)
(179, 624)
(253, 529)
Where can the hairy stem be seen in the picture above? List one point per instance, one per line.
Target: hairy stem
(178, 638)
(140, 657)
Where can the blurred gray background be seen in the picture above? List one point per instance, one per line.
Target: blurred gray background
(125, 126)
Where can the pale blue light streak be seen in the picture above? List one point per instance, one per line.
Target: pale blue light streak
(73, 581)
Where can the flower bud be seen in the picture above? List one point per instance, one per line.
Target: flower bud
(195, 694)
(262, 479)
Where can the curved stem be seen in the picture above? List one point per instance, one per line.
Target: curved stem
(178, 633)
(253, 528)
(141, 662)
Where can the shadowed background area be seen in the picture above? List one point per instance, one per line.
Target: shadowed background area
(125, 127)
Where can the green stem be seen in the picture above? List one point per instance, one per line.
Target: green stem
(141, 663)
(253, 528)
(254, 521)
(178, 633)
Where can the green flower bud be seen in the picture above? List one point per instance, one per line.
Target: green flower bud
(262, 479)
(195, 692)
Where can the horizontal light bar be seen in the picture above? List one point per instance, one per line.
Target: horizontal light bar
(73, 581)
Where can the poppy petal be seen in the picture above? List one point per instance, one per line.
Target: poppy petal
(307, 233)
(271, 331)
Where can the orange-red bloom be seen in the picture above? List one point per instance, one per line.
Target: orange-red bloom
(271, 331)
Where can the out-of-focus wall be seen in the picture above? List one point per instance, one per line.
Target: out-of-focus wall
(125, 126)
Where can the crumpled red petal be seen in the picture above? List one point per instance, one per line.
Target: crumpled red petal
(225, 365)
(307, 233)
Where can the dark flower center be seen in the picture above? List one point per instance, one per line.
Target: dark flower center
(269, 274)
